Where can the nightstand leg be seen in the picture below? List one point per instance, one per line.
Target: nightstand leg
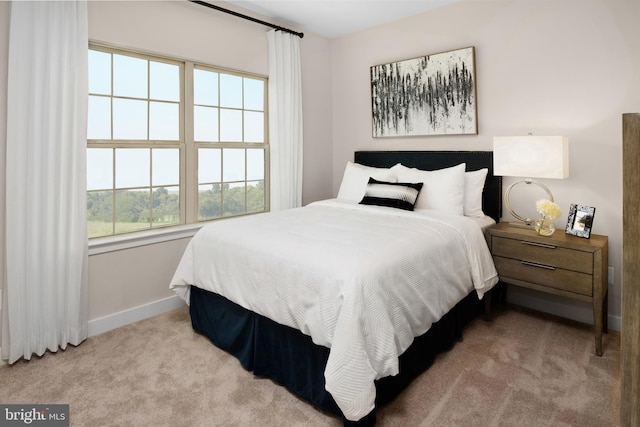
(605, 313)
(598, 308)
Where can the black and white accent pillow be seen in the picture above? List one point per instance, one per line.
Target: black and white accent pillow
(400, 195)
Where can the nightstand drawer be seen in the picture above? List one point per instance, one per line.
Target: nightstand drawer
(547, 254)
(557, 278)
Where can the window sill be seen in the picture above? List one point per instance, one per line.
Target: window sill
(127, 241)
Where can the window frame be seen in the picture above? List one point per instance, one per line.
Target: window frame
(188, 152)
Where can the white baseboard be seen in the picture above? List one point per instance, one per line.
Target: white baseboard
(122, 318)
(574, 310)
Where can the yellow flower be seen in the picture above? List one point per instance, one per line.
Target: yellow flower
(548, 209)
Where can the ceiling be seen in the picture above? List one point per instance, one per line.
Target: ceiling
(335, 18)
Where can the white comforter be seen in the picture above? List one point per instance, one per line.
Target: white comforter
(361, 280)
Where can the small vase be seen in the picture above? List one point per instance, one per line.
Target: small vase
(545, 227)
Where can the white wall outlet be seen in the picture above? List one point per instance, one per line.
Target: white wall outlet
(611, 276)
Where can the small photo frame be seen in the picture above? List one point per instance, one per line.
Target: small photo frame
(580, 220)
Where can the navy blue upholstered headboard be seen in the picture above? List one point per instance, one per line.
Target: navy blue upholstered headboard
(431, 160)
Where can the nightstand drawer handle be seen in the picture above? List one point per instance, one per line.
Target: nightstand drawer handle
(535, 264)
(542, 245)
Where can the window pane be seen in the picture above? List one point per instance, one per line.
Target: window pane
(132, 167)
(164, 81)
(133, 210)
(205, 123)
(230, 91)
(255, 196)
(129, 76)
(137, 152)
(209, 201)
(230, 125)
(99, 168)
(99, 118)
(99, 72)
(99, 213)
(129, 119)
(165, 206)
(209, 165)
(255, 164)
(165, 166)
(253, 126)
(253, 94)
(233, 196)
(164, 121)
(233, 165)
(205, 87)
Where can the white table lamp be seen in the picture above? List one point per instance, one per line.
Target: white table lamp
(531, 157)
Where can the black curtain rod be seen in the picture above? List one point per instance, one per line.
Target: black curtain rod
(239, 15)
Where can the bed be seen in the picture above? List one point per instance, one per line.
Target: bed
(337, 300)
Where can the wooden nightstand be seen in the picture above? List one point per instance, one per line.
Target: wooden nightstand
(560, 264)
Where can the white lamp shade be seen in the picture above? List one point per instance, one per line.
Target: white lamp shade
(531, 156)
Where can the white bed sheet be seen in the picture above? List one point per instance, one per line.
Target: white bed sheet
(361, 280)
(483, 222)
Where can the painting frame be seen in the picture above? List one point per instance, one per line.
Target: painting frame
(580, 220)
(430, 95)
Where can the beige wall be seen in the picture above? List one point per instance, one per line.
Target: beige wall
(125, 279)
(548, 67)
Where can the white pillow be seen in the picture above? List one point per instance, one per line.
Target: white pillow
(443, 189)
(356, 177)
(473, 186)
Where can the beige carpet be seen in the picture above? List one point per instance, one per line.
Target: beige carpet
(521, 369)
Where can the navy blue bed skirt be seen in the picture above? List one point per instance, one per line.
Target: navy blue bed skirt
(289, 357)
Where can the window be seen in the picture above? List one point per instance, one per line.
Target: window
(171, 142)
(229, 133)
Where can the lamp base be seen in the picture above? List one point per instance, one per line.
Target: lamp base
(523, 221)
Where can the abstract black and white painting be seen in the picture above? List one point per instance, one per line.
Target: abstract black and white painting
(430, 95)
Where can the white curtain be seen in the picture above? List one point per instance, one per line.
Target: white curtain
(285, 120)
(45, 287)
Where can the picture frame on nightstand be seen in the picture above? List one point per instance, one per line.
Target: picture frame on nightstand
(580, 220)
